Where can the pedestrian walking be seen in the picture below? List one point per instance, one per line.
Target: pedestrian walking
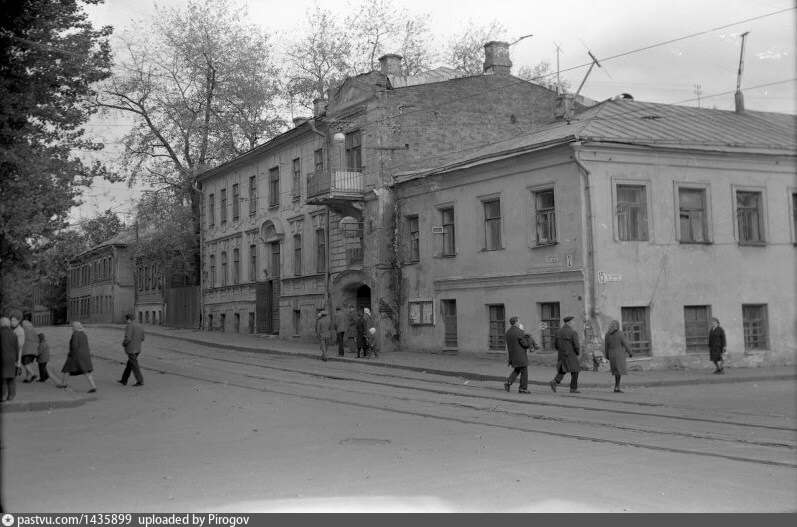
(15, 318)
(30, 350)
(716, 346)
(568, 349)
(78, 360)
(370, 334)
(10, 360)
(351, 330)
(323, 330)
(517, 344)
(340, 329)
(43, 358)
(361, 343)
(134, 336)
(616, 347)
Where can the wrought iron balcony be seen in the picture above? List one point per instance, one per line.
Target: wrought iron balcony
(337, 183)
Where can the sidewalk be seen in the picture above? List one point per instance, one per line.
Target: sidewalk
(492, 368)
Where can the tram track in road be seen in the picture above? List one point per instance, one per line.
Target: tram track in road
(491, 411)
(448, 391)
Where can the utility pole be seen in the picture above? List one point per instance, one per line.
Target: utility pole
(569, 111)
(739, 98)
(558, 82)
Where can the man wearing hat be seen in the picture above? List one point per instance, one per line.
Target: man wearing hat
(567, 359)
(134, 336)
(517, 343)
(323, 330)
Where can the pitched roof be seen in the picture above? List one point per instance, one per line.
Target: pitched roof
(124, 238)
(656, 125)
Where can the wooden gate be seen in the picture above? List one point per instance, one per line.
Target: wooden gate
(182, 306)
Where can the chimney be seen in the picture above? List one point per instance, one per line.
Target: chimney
(297, 121)
(496, 58)
(739, 99)
(564, 105)
(390, 64)
(319, 107)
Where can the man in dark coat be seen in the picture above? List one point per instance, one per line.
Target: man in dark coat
(340, 328)
(9, 360)
(517, 342)
(567, 359)
(134, 336)
(716, 345)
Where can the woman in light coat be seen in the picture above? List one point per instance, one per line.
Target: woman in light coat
(615, 348)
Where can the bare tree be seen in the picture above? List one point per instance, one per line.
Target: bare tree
(379, 27)
(318, 60)
(201, 87)
(542, 74)
(465, 51)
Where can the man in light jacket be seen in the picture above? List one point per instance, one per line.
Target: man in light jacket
(134, 336)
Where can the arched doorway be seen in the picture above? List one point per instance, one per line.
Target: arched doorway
(267, 290)
(363, 297)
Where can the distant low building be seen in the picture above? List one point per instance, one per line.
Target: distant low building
(101, 282)
(44, 311)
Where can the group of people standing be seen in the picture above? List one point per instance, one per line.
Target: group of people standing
(566, 343)
(21, 348)
(354, 330)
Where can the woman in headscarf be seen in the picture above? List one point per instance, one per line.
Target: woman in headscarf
(30, 350)
(9, 359)
(615, 348)
(78, 360)
(716, 346)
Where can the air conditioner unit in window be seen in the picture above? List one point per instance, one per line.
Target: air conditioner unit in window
(437, 230)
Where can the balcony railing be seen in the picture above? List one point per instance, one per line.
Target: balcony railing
(338, 182)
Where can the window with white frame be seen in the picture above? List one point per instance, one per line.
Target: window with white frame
(297, 179)
(632, 213)
(754, 322)
(449, 232)
(693, 215)
(750, 216)
(252, 195)
(492, 224)
(545, 217)
(223, 206)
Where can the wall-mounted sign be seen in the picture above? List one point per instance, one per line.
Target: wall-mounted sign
(609, 277)
(551, 259)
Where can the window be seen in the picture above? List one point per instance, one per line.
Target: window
(320, 250)
(693, 216)
(253, 263)
(635, 327)
(632, 213)
(549, 315)
(140, 278)
(449, 310)
(318, 161)
(414, 239)
(297, 254)
(223, 206)
(236, 266)
(297, 321)
(749, 215)
(545, 217)
(274, 186)
(497, 335)
(354, 158)
(794, 216)
(449, 239)
(297, 179)
(421, 312)
(236, 202)
(212, 270)
(696, 327)
(224, 268)
(211, 210)
(492, 225)
(252, 195)
(754, 320)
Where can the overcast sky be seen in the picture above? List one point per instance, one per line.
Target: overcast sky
(665, 73)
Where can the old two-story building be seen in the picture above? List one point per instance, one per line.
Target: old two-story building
(45, 309)
(162, 296)
(307, 220)
(655, 215)
(101, 282)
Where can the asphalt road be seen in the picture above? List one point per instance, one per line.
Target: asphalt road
(217, 430)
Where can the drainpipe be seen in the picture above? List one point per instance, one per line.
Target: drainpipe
(327, 291)
(588, 233)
